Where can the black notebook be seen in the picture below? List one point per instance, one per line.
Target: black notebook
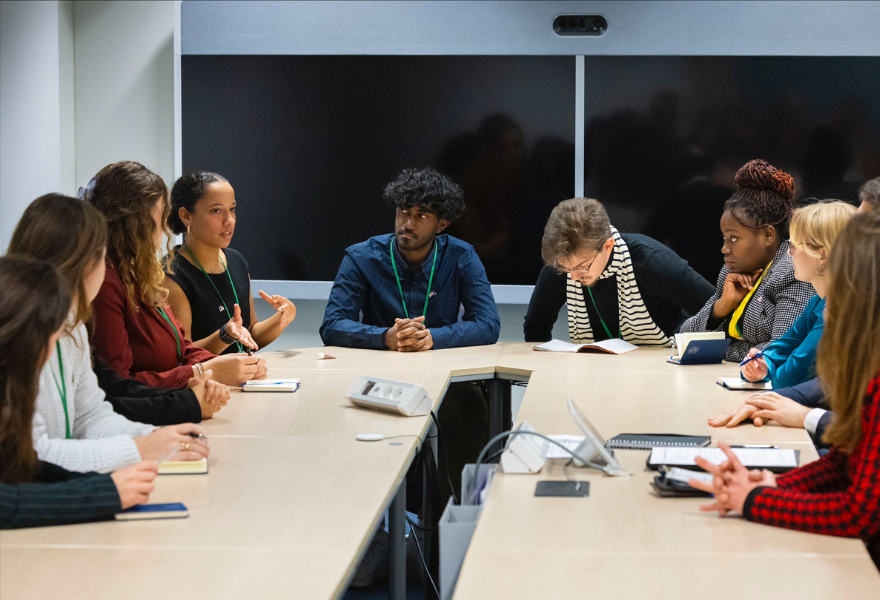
(646, 441)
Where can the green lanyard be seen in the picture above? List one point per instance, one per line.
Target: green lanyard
(601, 320)
(400, 288)
(176, 335)
(211, 281)
(62, 389)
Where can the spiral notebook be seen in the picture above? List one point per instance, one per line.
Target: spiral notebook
(646, 441)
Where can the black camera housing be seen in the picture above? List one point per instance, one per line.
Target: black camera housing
(580, 25)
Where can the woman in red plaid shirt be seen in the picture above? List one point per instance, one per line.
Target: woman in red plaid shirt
(839, 494)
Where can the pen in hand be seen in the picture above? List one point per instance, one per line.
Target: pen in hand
(751, 358)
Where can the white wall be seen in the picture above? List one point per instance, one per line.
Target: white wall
(87, 83)
(82, 84)
(124, 85)
(33, 160)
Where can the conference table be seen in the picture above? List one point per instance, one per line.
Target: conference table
(292, 499)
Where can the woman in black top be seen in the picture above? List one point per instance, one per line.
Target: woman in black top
(32, 492)
(616, 285)
(208, 282)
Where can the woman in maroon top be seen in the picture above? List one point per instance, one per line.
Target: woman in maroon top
(135, 332)
(839, 494)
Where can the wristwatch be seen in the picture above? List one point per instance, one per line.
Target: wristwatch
(225, 337)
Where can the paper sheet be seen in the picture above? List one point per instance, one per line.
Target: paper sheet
(569, 441)
(750, 457)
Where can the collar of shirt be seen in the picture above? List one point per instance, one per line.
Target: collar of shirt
(425, 265)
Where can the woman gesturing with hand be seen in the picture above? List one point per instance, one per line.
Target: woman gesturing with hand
(209, 282)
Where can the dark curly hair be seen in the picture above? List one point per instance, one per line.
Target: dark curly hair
(764, 197)
(427, 189)
(186, 191)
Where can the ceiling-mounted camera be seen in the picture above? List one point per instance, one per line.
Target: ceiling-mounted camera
(580, 25)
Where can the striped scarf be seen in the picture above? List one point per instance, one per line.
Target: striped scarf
(636, 325)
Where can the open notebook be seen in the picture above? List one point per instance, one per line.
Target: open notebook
(611, 346)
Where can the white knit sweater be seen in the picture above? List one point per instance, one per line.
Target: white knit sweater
(101, 440)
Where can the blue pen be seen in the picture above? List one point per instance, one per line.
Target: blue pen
(751, 358)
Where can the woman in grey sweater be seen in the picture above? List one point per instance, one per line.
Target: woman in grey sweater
(74, 426)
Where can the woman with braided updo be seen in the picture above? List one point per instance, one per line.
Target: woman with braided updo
(757, 297)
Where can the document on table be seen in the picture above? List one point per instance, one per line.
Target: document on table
(750, 457)
(611, 346)
(569, 441)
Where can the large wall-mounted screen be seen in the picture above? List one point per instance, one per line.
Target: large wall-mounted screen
(665, 135)
(308, 142)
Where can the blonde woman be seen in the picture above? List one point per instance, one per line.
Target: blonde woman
(791, 359)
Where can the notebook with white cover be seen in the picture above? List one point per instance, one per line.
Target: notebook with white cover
(271, 385)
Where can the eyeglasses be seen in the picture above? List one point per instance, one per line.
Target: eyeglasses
(574, 272)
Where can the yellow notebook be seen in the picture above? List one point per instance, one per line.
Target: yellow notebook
(183, 467)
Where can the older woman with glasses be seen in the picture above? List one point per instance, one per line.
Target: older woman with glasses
(616, 285)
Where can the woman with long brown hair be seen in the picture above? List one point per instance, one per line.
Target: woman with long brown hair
(135, 330)
(74, 427)
(34, 306)
(839, 494)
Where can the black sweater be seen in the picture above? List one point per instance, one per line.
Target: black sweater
(145, 404)
(58, 497)
(670, 289)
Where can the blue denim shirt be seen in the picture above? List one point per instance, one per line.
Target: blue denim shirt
(365, 299)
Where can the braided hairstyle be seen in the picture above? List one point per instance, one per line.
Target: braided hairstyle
(764, 197)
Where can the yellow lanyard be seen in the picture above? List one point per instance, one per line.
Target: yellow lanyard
(734, 328)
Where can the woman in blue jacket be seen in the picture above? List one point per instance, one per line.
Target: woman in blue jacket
(791, 359)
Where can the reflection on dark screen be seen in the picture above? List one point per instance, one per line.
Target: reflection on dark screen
(309, 142)
(665, 135)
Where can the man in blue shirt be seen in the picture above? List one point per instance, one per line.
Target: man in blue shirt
(380, 298)
(416, 290)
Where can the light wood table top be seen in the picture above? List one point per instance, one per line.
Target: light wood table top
(754, 576)
(292, 499)
(474, 360)
(277, 514)
(623, 541)
(521, 358)
(320, 407)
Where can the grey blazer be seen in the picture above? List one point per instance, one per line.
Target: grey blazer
(776, 304)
